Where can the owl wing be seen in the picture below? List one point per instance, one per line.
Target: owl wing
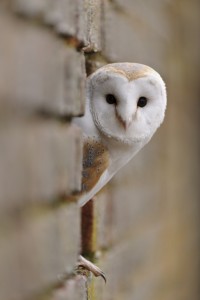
(96, 161)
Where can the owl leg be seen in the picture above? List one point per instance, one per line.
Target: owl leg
(84, 264)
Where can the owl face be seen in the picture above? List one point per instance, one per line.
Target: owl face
(127, 101)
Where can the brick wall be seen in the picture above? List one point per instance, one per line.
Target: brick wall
(143, 229)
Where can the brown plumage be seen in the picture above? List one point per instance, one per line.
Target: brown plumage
(129, 74)
(95, 162)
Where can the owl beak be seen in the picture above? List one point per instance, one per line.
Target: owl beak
(128, 123)
(125, 118)
(125, 123)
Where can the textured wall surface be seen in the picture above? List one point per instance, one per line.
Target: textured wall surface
(143, 228)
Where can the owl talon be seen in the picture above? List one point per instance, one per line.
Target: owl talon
(89, 266)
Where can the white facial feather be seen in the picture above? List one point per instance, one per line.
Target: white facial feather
(125, 105)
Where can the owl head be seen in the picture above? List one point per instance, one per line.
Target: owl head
(127, 101)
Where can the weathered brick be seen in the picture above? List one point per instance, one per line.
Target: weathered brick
(128, 35)
(152, 14)
(94, 24)
(73, 289)
(65, 16)
(78, 19)
(131, 267)
(39, 161)
(30, 8)
(38, 71)
(42, 246)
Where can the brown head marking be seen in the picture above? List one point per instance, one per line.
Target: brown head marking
(130, 74)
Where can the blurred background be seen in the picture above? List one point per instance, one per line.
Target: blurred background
(143, 229)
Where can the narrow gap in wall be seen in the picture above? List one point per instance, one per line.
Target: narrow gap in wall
(87, 229)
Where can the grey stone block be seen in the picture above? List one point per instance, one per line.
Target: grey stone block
(38, 70)
(79, 19)
(72, 289)
(38, 163)
(130, 36)
(38, 250)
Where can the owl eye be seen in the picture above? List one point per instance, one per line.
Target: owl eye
(110, 99)
(142, 101)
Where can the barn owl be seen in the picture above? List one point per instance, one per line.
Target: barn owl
(125, 105)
